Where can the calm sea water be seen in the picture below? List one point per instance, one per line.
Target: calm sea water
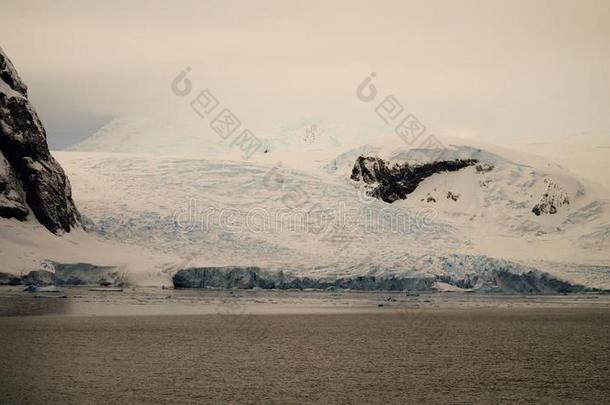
(474, 353)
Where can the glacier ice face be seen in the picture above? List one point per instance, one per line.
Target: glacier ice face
(54, 273)
(496, 276)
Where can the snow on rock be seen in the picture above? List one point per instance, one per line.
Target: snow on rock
(396, 182)
(554, 197)
(27, 168)
(9, 76)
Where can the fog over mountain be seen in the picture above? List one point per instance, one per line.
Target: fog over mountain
(505, 72)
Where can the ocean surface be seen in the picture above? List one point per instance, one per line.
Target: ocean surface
(152, 346)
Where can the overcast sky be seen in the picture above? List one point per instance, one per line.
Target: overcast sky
(500, 70)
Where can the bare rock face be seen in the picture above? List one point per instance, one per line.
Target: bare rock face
(395, 183)
(28, 172)
(553, 198)
(369, 169)
(12, 196)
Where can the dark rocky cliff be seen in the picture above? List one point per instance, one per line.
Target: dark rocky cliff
(30, 178)
(396, 182)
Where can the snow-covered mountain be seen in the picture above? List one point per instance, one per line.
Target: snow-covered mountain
(152, 136)
(157, 197)
(585, 154)
(314, 219)
(186, 134)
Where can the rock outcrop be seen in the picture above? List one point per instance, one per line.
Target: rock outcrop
(395, 183)
(553, 198)
(29, 176)
(12, 195)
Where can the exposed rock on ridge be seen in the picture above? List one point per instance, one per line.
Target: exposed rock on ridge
(28, 172)
(553, 198)
(395, 183)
